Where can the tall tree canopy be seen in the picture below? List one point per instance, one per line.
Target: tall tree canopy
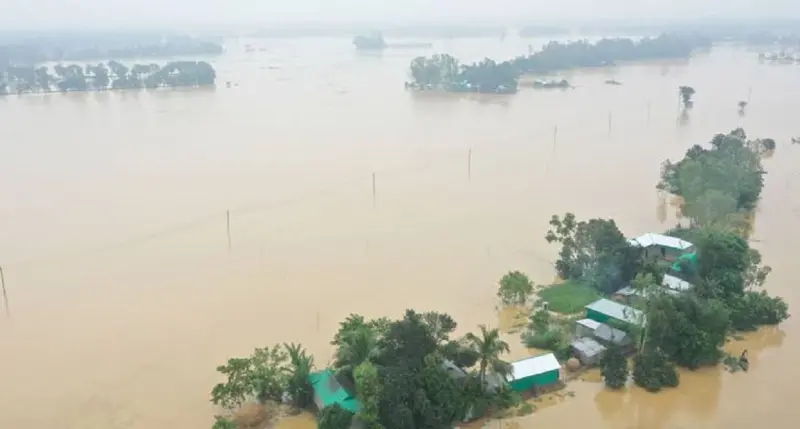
(400, 373)
(594, 251)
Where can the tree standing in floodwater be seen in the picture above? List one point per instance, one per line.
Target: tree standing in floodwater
(686, 93)
(742, 105)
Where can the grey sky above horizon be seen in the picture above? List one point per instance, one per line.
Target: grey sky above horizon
(87, 14)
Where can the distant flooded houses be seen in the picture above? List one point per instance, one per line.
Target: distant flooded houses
(780, 57)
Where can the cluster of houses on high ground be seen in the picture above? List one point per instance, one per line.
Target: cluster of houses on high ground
(592, 336)
(595, 333)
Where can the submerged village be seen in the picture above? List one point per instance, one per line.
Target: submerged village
(638, 309)
(635, 307)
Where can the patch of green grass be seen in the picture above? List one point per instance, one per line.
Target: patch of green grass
(568, 297)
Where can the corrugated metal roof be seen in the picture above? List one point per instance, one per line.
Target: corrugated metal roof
(652, 239)
(616, 310)
(589, 323)
(612, 335)
(587, 347)
(453, 369)
(330, 392)
(533, 366)
(631, 291)
(627, 291)
(675, 283)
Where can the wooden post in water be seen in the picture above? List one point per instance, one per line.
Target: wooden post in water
(555, 137)
(469, 164)
(5, 295)
(373, 190)
(228, 226)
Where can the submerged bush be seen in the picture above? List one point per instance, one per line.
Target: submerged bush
(614, 368)
(653, 372)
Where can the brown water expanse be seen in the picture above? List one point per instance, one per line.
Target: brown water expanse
(124, 295)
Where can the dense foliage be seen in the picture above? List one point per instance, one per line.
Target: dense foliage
(442, 71)
(403, 369)
(557, 56)
(113, 75)
(717, 183)
(334, 417)
(548, 333)
(266, 375)
(688, 330)
(720, 187)
(614, 368)
(653, 371)
(515, 288)
(594, 252)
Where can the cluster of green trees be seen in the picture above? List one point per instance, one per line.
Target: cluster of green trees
(557, 56)
(594, 252)
(442, 71)
(112, 75)
(402, 371)
(720, 187)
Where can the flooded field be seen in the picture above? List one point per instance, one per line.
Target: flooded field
(125, 294)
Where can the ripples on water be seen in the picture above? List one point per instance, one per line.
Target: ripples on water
(125, 296)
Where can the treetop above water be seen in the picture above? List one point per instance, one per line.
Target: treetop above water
(111, 75)
(442, 71)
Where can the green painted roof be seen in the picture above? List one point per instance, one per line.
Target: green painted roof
(616, 310)
(688, 257)
(330, 392)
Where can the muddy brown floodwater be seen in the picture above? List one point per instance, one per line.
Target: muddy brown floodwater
(124, 295)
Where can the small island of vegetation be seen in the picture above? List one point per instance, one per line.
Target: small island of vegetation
(100, 77)
(671, 300)
(373, 42)
(444, 72)
(390, 374)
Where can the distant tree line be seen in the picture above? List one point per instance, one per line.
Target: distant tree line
(443, 71)
(21, 49)
(557, 56)
(103, 76)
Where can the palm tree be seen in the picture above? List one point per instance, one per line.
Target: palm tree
(489, 347)
(355, 347)
(300, 367)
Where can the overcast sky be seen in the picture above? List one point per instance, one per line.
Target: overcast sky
(20, 14)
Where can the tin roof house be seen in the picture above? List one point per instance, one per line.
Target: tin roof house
(659, 246)
(604, 310)
(328, 391)
(533, 372)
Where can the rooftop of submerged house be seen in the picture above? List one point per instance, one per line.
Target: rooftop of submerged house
(653, 239)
